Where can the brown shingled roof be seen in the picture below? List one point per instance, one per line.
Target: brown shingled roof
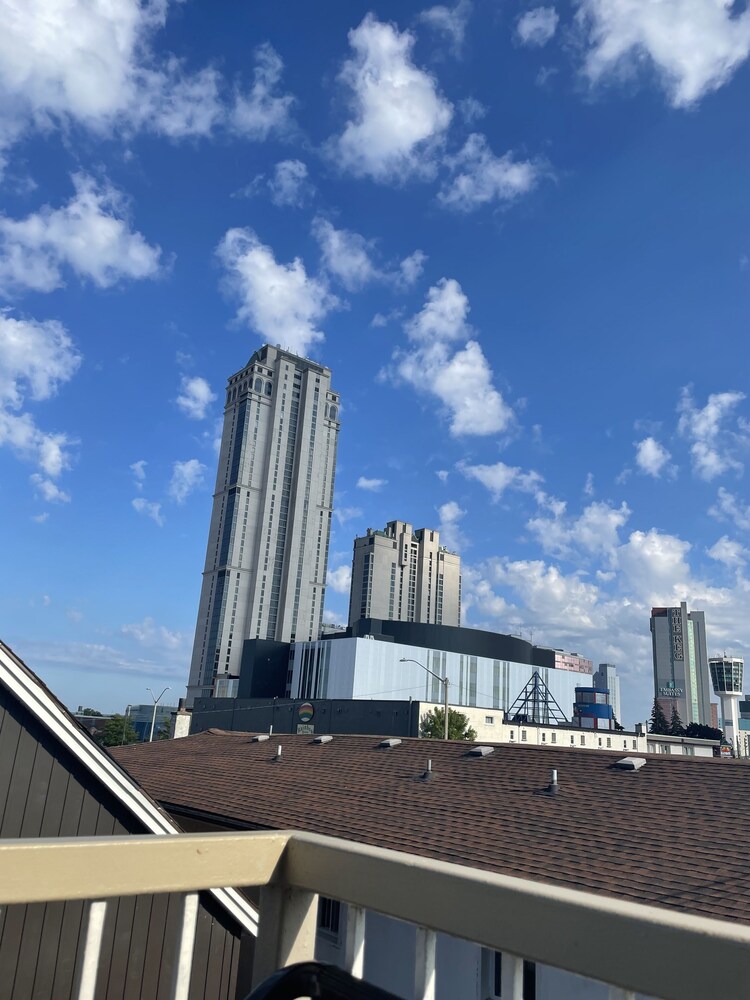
(676, 833)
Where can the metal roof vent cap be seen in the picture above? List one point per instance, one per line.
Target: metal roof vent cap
(260, 738)
(630, 763)
(480, 751)
(322, 739)
(277, 757)
(552, 788)
(389, 743)
(428, 774)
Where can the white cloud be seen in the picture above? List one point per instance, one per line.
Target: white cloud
(280, 301)
(40, 518)
(289, 184)
(695, 46)
(339, 579)
(148, 509)
(536, 27)
(729, 552)
(450, 22)
(186, 477)
(93, 63)
(596, 531)
(450, 515)
(373, 485)
(90, 234)
(471, 110)
(442, 475)
(651, 457)
(399, 116)
(462, 381)
(480, 178)
(139, 473)
(262, 111)
(712, 443)
(499, 477)
(35, 359)
(729, 508)
(151, 635)
(48, 490)
(345, 254)
(344, 514)
(588, 486)
(195, 397)
(411, 268)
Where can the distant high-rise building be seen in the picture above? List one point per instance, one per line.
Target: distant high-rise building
(681, 675)
(572, 661)
(267, 553)
(405, 575)
(606, 677)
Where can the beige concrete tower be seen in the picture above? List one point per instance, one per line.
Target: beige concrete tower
(405, 575)
(267, 552)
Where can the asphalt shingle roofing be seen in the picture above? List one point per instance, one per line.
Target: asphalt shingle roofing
(675, 833)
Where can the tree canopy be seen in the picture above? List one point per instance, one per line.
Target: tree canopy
(432, 725)
(658, 724)
(118, 731)
(698, 732)
(90, 711)
(675, 723)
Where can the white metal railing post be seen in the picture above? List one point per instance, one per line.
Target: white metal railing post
(96, 912)
(183, 963)
(424, 964)
(514, 965)
(286, 929)
(354, 949)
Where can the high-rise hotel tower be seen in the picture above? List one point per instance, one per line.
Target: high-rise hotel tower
(267, 552)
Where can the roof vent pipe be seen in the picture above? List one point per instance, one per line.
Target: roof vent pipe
(270, 730)
(278, 754)
(553, 788)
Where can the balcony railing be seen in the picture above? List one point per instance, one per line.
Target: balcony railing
(632, 947)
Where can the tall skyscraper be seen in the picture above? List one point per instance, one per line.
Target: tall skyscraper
(606, 677)
(681, 675)
(267, 553)
(405, 575)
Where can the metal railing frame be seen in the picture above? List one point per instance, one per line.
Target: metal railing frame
(630, 946)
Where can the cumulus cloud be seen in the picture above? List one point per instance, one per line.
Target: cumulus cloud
(451, 515)
(372, 485)
(344, 514)
(339, 579)
(729, 552)
(48, 490)
(91, 235)
(289, 184)
(713, 40)
(186, 477)
(595, 531)
(450, 22)
(651, 457)
(139, 473)
(398, 114)
(148, 509)
(36, 358)
(460, 379)
(346, 254)
(712, 442)
(195, 397)
(151, 635)
(499, 477)
(478, 177)
(93, 64)
(281, 302)
(536, 27)
(729, 508)
(411, 268)
(262, 110)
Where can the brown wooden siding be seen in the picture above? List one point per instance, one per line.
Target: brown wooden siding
(46, 792)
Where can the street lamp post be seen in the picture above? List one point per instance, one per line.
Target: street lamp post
(443, 680)
(153, 714)
(124, 723)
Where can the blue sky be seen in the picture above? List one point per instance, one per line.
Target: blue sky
(517, 234)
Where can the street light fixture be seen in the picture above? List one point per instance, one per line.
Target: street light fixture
(443, 680)
(153, 715)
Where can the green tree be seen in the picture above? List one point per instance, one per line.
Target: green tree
(658, 724)
(618, 727)
(698, 732)
(165, 730)
(117, 731)
(676, 727)
(432, 725)
(90, 711)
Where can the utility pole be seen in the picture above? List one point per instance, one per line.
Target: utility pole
(443, 680)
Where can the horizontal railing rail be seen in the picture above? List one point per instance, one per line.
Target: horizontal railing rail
(654, 951)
